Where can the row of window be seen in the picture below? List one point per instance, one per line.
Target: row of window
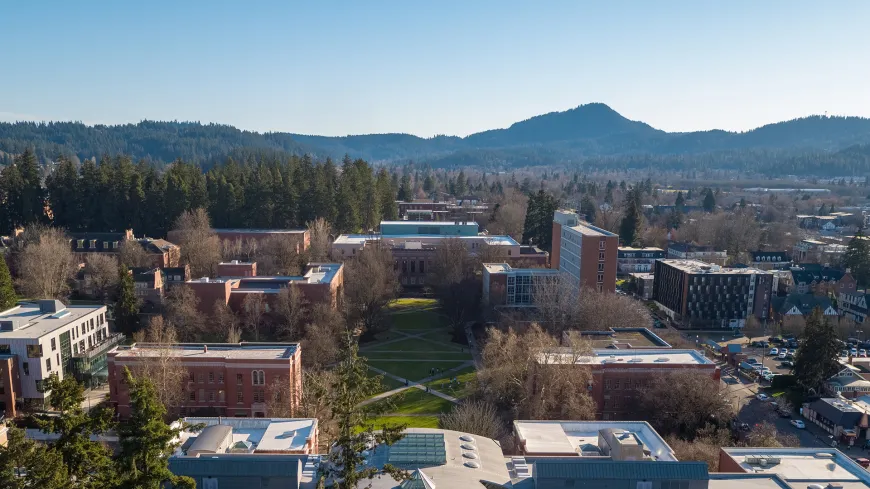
(413, 265)
(107, 245)
(258, 377)
(220, 396)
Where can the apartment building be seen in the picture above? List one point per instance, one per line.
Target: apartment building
(690, 251)
(584, 253)
(619, 376)
(637, 260)
(698, 294)
(47, 338)
(223, 379)
(817, 251)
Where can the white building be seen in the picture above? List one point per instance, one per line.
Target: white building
(46, 336)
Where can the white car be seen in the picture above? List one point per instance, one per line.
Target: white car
(774, 351)
(798, 424)
(782, 355)
(762, 397)
(862, 353)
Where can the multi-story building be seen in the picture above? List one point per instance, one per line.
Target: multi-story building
(770, 260)
(637, 260)
(697, 294)
(585, 254)
(605, 440)
(619, 376)
(148, 286)
(689, 251)
(223, 379)
(513, 287)
(816, 251)
(301, 237)
(797, 468)
(813, 278)
(47, 338)
(321, 283)
(643, 284)
(429, 210)
(161, 252)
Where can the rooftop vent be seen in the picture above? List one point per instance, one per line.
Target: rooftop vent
(51, 306)
(467, 438)
(472, 465)
(662, 359)
(635, 360)
(468, 446)
(470, 455)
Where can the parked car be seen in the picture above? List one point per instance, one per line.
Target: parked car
(751, 360)
(762, 397)
(793, 351)
(844, 353)
(774, 351)
(854, 352)
(782, 355)
(798, 424)
(862, 353)
(787, 364)
(783, 413)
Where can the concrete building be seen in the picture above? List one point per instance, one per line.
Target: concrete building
(619, 376)
(321, 283)
(643, 284)
(161, 252)
(429, 228)
(247, 453)
(690, 251)
(47, 338)
(612, 440)
(587, 255)
(224, 379)
(798, 468)
(817, 251)
(697, 294)
(637, 260)
(632, 338)
(430, 210)
(513, 287)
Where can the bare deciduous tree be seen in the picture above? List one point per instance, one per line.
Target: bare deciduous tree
(132, 255)
(704, 447)
(562, 307)
(477, 417)
(315, 402)
(321, 344)
(101, 274)
(753, 328)
(46, 265)
(454, 281)
(684, 401)
(533, 377)
(160, 365)
(200, 246)
(226, 321)
(509, 216)
(369, 285)
(277, 255)
(254, 307)
(765, 435)
(608, 218)
(319, 230)
(290, 308)
(279, 398)
(183, 313)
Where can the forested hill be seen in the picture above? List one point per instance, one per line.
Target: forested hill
(592, 134)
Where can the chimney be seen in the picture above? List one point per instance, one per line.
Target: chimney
(205, 348)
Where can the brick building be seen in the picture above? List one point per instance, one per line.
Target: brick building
(301, 237)
(223, 379)
(161, 252)
(513, 287)
(697, 294)
(322, 282)
(585, 253)
(619, 376)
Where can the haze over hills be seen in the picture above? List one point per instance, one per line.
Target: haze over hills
(589, 133)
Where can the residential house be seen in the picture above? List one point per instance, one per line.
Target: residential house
(839, 416)
(802, 305)
(769, 260)
(853, 305)
(161, 252)
(818, 279)
(849, 382)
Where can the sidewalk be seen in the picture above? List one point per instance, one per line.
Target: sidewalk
(472, 343)
(412, 385)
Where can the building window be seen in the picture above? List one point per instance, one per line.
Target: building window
(105, 245)
(600, 267)
(34, 351)
(93, 244)
(240, 397)
(80, 244)
(211, 377)
(192, 396)
(200, 378)
(607, 385)
(26, 367)
(509, 252)
(210, 396)
(221, 378)
(48, 364)
(616, 384)
(601, 256)
(239, 378)
(601, 244)
(258, 377)
(202, 395)
(600, 277)
(422, 267)
(259, 396)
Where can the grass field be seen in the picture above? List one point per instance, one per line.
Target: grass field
(416, 401)
(466, 377)
(398, 355)
(410, 421)
(412, 370)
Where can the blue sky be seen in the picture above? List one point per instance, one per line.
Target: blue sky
(443, 67)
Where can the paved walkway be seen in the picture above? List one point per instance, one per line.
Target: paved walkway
(94, 397)
(472, 343)
(412, 384)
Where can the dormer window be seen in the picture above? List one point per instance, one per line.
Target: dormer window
(93, 244)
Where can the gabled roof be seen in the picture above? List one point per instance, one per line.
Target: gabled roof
(805, 303)
(813, 274)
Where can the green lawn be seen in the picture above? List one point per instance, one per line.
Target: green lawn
(417, 401)
(412, 345)
(404, 355)
(466, 377)
(411, 370)
(387, 383)
(410, 421)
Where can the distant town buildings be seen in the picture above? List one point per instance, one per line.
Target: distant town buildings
(817, 251)
(698, 294)
(162, 252)
(637, 260)
(232, 380)
(769, 260)
(690, 251)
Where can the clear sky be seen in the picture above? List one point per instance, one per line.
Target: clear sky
(431, 67)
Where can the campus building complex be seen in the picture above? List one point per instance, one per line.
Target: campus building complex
(47, 338)
(223, 379)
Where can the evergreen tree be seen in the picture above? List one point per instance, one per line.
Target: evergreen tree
(461, 189)
(631, 227)
(680, 200)
(388, 206)
(588, 208)
(709, 201)
(62, 187)
(8, 299)
(127, 306)
(147, 441)
(44, 468)
(405, 192)
(817, 358)
(32, 193)
(348, 462)
(538, 227)
(428, 184)
(742, 202)
(857, 257)
(88, 462)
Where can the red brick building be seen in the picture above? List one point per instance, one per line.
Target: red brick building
(619, 376)
(586, 253)
(10, 384)
(224, 379)
(322, 282)
(161, 252)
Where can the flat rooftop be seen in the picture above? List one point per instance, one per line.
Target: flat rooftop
(31, 323)
(360, 239)
(620, 338)
(657, 356)
(430, 223)
(263, 351)
(505, 268)
(567, 437)
(587, 229)
(259, 231)
(699, 267)
(747, 481)
(263, 434)
(649, 248)
(804, 465)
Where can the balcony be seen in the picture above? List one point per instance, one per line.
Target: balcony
(102, 347)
